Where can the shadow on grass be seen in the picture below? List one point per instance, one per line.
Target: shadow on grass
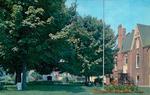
(56, 87)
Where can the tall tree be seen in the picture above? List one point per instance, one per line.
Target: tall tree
(25, 26)
(85, 39)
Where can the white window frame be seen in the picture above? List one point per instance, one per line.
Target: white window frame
(126, 59)
(115, 65)
(137, 43)
(137, 61)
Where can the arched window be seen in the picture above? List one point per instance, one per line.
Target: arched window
(126, 59)
(137, 61)
(137, 43)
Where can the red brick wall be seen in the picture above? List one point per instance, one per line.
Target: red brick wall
(144, 69)
(133, 71)
(121, 35)
(146, 66)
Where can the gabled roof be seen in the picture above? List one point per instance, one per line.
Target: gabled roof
(127, 42)
(145, 34)
(145, 38)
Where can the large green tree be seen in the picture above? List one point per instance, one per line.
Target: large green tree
(85, 37)
(24, 34)
(44, 34)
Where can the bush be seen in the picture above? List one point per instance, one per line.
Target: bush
(122, 88)
(109, 88)
(98, 81)
(133, 88)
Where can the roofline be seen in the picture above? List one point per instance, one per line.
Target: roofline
(140, 34)
(126, 51)
(142, 24)
(133, 40)
(146, 46)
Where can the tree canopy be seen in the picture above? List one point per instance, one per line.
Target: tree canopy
(45, 35)
(86, 44)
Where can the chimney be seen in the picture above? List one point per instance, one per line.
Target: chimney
(121, 35)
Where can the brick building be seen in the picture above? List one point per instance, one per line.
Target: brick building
(133, 57)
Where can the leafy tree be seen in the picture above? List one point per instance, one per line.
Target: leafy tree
(25, 26)
(55, 50)
(44, 34)
(85, 39)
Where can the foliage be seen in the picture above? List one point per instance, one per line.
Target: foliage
(130, 88)
(20, 35)
(45, 35)
(25, 32)
(24, 26)
(84, 37)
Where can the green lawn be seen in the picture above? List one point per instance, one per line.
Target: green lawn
(61, 90)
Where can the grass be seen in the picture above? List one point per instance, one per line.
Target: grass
(61, 90)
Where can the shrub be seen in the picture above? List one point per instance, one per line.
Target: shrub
(122, 88)
(133, 88)
(110, 88)
(98, 81)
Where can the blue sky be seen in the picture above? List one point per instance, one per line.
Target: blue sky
(125, 12)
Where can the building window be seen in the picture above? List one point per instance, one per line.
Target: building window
(137, 79)
(115, 67)
(137, 61)
(137, 43)
(126, 59)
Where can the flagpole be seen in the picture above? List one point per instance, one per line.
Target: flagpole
(103, 42)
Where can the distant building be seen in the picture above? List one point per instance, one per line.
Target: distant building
(63, 77)
(133, 57)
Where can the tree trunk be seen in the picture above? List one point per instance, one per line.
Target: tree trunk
(86, 81)
(24, 85)
(18, 76)
(88, 78)
(21, 77)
